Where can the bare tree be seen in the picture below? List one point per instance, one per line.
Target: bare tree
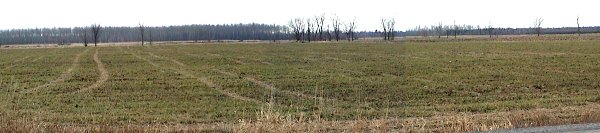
(391, 24)
(383, 25)
(388, 26)
(350, 27)
(578, 27)
(84, 37)
(537, 23)
(455, 29)
(320, 22)
(309, 27)
(150, 35)
(297, 26)
(336, 27)
(142, 29)
(490, 29)
(439, 30)
(96, 31)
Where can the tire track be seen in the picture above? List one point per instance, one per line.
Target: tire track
(271, 87)
(338, 59)
(165, 58)
(16, 63)
(64, 76)
(204, 80)
(103, 74)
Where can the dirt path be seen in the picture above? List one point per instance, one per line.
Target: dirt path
(103, 74)
(203, 80)
(64, 76)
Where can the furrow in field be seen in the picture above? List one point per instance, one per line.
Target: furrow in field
(204, 80)
(63, 77)
(103, 74)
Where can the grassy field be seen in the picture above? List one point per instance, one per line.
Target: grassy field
(403, 86)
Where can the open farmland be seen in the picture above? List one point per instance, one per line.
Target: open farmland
(400, 86)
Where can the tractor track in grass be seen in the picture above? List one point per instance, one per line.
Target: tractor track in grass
(39, 58)
(103, 74)
(203, 80)
(337, 59)
(16, 62)
(64, 76)
(271, 87)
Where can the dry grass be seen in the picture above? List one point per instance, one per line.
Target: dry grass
(272, 121)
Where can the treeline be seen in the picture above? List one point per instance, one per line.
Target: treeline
(251, 31)
(454, 30)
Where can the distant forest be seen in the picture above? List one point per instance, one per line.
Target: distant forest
(251, 31)
(132, 34)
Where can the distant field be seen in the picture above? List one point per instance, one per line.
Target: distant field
(423, 85)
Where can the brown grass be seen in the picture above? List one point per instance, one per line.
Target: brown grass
(269, 120)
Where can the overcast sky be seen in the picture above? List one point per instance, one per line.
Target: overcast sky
(408, 13)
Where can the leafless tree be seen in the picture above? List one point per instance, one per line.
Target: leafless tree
(439, 30)
(350, 29)
(383, 25)
(455, 29)
(297, 26)
(336, 27)
(320, 22)
(537, 23)
(388, 28)
(84, 37)
(309, 28)
(391, 24)
(490, 30)
(142, 29)
(96, 32)
(578, 27)
(150, 35)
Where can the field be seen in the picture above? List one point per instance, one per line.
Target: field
(410, 86)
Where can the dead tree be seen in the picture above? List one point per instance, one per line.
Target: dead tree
(320, 22)
(150, 36)
(490, 30)
(350, 27)
(309, 27)
(388, 28)
(336, 27)
(439, 30)
(383, 25)
(578, 27)
(455, 29)
(142, 29)
(85, 38)
(391, 23)
(96, 32)
(297, 26)
(537, 23)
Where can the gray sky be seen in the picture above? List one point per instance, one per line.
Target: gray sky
(408, 13)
